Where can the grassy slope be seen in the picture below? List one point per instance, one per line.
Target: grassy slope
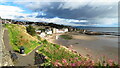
(19, 37)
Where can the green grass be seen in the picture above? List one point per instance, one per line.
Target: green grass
(67, 37)
(19, 37)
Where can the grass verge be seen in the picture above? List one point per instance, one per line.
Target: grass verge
(67, 37)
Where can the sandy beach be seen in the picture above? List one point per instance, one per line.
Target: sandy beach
(95, 46)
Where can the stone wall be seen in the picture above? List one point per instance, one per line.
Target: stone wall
(5, 59)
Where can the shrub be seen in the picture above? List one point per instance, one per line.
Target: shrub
(45, 41)
(38, 37)
(31, 30)
(43, 30)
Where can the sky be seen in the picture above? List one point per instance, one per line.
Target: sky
(98, 13)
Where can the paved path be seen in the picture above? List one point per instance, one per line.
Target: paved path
(22, 60)
(26, 60)
(6, 41)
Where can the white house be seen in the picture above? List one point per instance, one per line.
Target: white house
(42, 34)
(54, 30)
(38, 31)
(60, 30)
(66, 30)
(5, 21)
(48, 31)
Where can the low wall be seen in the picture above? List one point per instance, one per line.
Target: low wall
(5, 59)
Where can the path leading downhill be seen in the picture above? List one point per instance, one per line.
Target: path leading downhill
(22, 60)
(6, 40)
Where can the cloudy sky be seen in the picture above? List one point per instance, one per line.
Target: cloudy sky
(67, 12)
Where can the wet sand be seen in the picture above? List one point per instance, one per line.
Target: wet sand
(95, 46)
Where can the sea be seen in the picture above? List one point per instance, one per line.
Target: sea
(111, 30)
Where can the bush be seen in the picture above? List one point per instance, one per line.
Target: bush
(45, 41)
(38, 37)
(31, 30)
(43, 30)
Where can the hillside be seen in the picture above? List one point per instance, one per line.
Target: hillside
(19, 37)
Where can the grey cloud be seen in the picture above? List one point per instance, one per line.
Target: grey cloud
(87, 11)
(80, 13)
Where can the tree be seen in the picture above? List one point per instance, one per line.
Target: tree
(0, 18)
(31, 30)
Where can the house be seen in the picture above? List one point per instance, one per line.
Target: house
(5, 21)
(60, 30)
(65, 29)
(48, 31)
(38, 31)
(51, 31)
(54, 30)
(42, 34)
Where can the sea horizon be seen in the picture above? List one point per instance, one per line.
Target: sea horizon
(103, 29)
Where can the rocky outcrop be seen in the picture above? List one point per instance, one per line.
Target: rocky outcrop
(94, 33)
(98, 33)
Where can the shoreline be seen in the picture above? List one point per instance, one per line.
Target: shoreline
(95, 46)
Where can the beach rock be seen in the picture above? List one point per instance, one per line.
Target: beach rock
(117, 35)
(94, 33)
(107, 34)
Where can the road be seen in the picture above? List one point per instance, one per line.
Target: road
(22, 60)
